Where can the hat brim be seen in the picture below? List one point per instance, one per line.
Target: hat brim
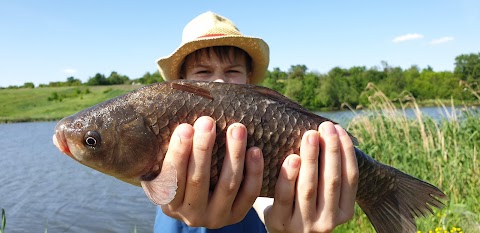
(257, 48)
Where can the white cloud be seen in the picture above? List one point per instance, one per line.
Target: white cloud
(441, 40)
(409, 36)
(69, 71)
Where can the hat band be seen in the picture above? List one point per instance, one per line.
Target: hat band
(211, 35)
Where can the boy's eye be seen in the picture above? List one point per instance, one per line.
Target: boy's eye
(201, 72)
(234, 71)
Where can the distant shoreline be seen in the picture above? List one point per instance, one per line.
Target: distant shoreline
(54, 103)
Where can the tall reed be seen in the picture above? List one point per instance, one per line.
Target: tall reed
(443, 152)
(3, 223)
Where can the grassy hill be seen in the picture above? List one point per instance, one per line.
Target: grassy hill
(53, 103)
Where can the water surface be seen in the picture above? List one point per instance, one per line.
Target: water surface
(40, 188)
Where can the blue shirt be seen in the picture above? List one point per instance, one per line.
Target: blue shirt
(166, 224)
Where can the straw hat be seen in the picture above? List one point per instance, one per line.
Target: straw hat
(210, 29)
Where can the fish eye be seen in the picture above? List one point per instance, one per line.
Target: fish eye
(92, 138)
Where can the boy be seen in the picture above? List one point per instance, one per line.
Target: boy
(308, 198)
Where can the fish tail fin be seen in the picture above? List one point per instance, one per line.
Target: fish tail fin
(396, 211)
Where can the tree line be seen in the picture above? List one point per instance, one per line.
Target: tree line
(315, 91)
(330, 90)
(341, 85)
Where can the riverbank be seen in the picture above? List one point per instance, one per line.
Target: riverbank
(53, 103)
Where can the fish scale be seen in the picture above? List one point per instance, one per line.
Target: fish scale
(228, 110)
(139, 126)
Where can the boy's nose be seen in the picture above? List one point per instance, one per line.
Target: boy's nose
(219, 77)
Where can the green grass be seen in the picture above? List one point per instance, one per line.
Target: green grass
(443, 153)
(53, 103)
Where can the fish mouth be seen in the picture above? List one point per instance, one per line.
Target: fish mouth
(60, 142)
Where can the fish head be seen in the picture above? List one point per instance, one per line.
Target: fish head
(113, 140)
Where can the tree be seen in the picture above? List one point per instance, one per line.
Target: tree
(71, 81)
(294, 89)
(412, 74)
(343, 86)
(394, 83)
(297, 71)
(358, 78)
(467, 67)
(149, 78)
(328, 93)
(116, 78)
(309, 94)
(98, 79)
(28, 85)
(275, 79)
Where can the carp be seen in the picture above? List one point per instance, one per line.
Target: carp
(127, 137)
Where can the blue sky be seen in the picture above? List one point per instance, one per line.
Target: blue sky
(44, 41)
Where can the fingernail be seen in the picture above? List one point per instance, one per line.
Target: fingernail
(293, 162)
(328, 128)
(340, 130)
(256, 154)
(204, 124)
(312, 138)
(184, 133)
(238, 132)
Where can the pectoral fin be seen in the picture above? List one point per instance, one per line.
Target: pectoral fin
(163, 188)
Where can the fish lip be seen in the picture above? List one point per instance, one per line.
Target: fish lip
(60, 141)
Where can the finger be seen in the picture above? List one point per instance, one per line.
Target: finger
(231, 174)
(178, 154)
(251, 184)
(307, 186)
(284, 199)
(198, 177)
(350, 175)
(167, 188)
(330, 177)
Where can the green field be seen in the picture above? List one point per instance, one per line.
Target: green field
(53, 103)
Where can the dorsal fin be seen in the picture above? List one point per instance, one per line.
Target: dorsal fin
(192, 89)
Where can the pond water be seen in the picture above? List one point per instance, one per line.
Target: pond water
(40, 188)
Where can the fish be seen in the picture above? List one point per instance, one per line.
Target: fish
(127, 137)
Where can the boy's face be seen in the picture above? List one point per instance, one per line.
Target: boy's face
(208, 67)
